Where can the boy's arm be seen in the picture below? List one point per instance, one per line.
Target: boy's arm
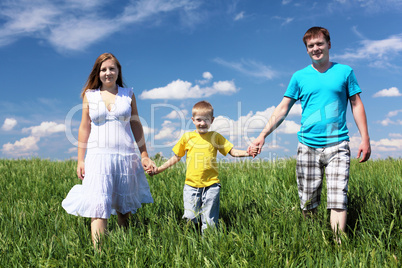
(241, 153)
(359, 115)
(173, 160)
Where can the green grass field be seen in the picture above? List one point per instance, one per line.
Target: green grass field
(260, 221)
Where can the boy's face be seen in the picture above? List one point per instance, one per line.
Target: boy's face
(202, 122)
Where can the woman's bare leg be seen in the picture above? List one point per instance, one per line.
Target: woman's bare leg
(122, 219)
(98, 228)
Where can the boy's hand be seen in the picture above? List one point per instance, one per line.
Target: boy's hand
(252, 151)
(153, 171)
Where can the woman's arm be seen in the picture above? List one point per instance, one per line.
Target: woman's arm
(138, 132)
(83, 135)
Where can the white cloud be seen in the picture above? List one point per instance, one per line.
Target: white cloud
(180, 89)
(391, 92)
(296, 110)
(387, 145)
(27, 146)
(394, 113)
(168, 131)
(207, 78)
(75, 25)
(177, 114)
(386, 122)
(380, 52)
(207, 75)
(284, 20)
(9, 124)
(239, 16)
(45, 129)
(250, 68)
(395, 135)
(380, 148)
(22, 148)
(72, 150)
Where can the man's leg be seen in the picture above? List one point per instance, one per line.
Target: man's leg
(338, 220)
(309, 178)
(309, 213)
(337, 187)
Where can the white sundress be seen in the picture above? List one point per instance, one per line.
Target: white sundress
(114, 177)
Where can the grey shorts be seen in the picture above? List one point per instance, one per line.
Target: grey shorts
(202, 203)
(310, 168)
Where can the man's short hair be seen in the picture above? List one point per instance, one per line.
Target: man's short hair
(203, 107)
(316, 31)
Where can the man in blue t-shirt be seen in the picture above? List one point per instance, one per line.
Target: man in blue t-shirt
(323, 88)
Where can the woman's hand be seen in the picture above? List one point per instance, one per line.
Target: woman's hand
(81, 169)
(148, 165)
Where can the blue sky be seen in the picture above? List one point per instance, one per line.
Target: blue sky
(238, 55)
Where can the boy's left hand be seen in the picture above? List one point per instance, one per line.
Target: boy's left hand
(252, 150)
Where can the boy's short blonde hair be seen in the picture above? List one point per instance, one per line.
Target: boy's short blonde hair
(203, 107)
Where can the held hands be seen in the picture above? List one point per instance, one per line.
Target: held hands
(256, 146)
(252, 150)
(148, 165)
(152, 172)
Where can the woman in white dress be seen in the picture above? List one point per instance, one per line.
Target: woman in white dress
(112, 170)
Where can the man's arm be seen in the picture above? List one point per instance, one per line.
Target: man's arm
(359, 115)
(279, 114)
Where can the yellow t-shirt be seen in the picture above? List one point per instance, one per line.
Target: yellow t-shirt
(201, 149)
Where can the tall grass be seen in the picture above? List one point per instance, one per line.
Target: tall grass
(260, 221)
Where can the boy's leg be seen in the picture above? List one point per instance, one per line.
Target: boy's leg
(192, 202)
(210, 206)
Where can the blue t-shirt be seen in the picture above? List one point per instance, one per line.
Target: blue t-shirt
(324, 99)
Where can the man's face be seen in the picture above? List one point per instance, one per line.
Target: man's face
(202, 122)
(318, 49)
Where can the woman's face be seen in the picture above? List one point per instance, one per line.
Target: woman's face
(108, 73)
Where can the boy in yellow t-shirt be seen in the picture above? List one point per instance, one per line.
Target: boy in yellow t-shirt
(202, 186)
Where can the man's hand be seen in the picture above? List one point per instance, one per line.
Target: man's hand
(364, 149)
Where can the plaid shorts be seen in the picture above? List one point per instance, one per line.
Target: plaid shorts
(310, 167)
